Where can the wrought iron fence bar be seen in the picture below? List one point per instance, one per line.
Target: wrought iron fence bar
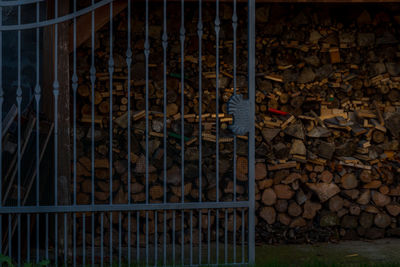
(129, 65)
(234, 26)
(102, 239)
(56, 239)
(19, 2)
(110, 241)
(182, 237)
(111, 71)
(19, 99)
(173, 237)
(165, 45)
(123, 207)
(251, 144)
(200, 36)
(226, 237)
(243, 254)
(74, 89)
(47, 236)
(217, 29)
(182, 41)
(129, 238)
(54, 21)
(93, 232)
(217, 234)
(146, 53)
(56, 87)
(147, 238)
(65, 240)
(74, 240)
(28, 237)
(200, 236)
(208, 238)
(165, 239)
(155, 239)
(9, 234)
(19, 239)
(137, 237)
(92, 79)
(191, 238)
(119, 239)
(83, 239)
(1, 118)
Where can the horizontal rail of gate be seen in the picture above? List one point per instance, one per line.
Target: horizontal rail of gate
(40, 217)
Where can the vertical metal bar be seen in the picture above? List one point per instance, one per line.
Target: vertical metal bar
(200, 36)
(1, 115)
(93, 80)
(47, 236)
(129, 239)
(182, 237)
(208, 238)
(147, 238)
(19, 239)
(173, 237)
(191, 237)
(217, 234)
(217, 29)
(165, 45)
(119, 239)
(226, 236)
(28, 241)
(111, 71)
(74, 240)
(37, 98)
(56, 239)
(234, 235)
(56, 87)
(1, 127)
(83, 239)
(200, 236)
(251, 86)
(9, 236)
(243, 255)
(74, 89)
(101, 239)
(146, 53)
(129, 65)
(93, 233)
(155, 239)
(234, 26)
(137, 237)
(65, 240)
(165, 239)
(110, 241)
(182, 40)
(19, 99)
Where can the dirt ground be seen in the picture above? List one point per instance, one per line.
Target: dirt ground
(384, 252)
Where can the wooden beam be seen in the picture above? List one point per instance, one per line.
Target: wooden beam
(84, 22)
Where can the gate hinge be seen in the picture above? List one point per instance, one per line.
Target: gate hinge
(240, 109)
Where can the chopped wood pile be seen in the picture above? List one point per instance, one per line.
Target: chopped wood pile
(327, 120)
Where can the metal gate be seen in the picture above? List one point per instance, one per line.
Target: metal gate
(45, 223)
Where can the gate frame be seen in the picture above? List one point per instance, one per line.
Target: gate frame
(58, 209)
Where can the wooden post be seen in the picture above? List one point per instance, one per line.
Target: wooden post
(64, 125)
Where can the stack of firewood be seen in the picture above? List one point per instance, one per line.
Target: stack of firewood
(326, 120)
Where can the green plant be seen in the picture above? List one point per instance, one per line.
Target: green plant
(8, 261)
